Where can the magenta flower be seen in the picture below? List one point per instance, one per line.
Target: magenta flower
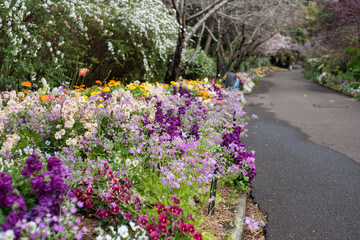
(99, 213)
(175, 200)
(150, 228)
(143, 221)
(162, 229)
(161, 208)
(182, 227)
(89, 203)
(106, 214)
(198, 236)
(89, 191)
(163, 219)
(190, 228)
(115, 209)
(154, 235)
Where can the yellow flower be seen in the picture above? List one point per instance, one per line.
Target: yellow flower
(100, 106)
(94, 93)
(118, 83)
(173, 83)
(101, 100)
(132, 87)
(86, 97)
(106, 89)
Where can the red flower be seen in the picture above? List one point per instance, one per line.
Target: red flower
(190, 228)
(143, 220)
(175, 200)
(89, 191)
(114, 209)
(161, 208)
(106, 214)
(163, 219)
(182, 227)
(99, 213)
(154, 235)
(89, 203)
(162, 229)
(150, 228)
(78, 193)
(83, 72)
(198, 236)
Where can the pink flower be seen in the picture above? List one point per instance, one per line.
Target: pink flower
(162, 229)
(177, 211)
(154, 235)
(163, 219)
(182, 227)
(198, 236)
(190, 228)
(128, 216)
(143, 220)
(150, 228)
(83, 72)
(175, 200)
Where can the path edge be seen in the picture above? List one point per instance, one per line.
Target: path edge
(238, 232)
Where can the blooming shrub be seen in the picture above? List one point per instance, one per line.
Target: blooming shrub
(49, 39)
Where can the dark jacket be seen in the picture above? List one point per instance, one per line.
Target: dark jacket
(230, 79)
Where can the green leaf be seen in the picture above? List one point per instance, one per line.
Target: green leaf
(208, 236)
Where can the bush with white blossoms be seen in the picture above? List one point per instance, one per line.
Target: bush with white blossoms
(51, 39)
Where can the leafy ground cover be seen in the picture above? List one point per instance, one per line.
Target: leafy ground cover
(137, 160)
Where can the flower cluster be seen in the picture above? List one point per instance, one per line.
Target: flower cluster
(169, 223)
(254, 225)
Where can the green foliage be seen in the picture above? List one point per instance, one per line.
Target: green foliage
(117, 39)
(254, 62)
(354, 64)
(202, 66)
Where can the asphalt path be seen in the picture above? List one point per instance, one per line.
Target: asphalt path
(307, 143)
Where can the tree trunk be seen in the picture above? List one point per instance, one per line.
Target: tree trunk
(209, 38)
(173, 70)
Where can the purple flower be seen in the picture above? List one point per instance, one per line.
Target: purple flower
(54, 165)
(5, 186)
(32, 165)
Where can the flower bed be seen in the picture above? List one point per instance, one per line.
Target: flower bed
(139, 159)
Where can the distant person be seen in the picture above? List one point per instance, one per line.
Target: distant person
(231, 80)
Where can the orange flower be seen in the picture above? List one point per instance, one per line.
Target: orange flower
(66, 92)
(82, 86)
(82, 89)
(44, 98)
(112, 81)
(83, 72)
(27, 91)
(26, 84)
(98, 82)
(77, 87)
(89, 88)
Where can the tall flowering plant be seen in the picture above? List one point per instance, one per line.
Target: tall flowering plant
(37, 211)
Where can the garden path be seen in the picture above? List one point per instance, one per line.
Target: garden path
(307, 143)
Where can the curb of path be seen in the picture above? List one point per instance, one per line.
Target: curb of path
(240, 218)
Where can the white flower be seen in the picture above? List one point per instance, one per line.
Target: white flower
(32, 226)
(108, 237)
(99, 237)
(123, 231)
(135, 162)
(9, 235)
(128, 162)
(132, 225)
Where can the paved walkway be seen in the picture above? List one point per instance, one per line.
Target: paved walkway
(307, 143)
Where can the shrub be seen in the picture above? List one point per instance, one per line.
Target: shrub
(202, 66)
(52, 40)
